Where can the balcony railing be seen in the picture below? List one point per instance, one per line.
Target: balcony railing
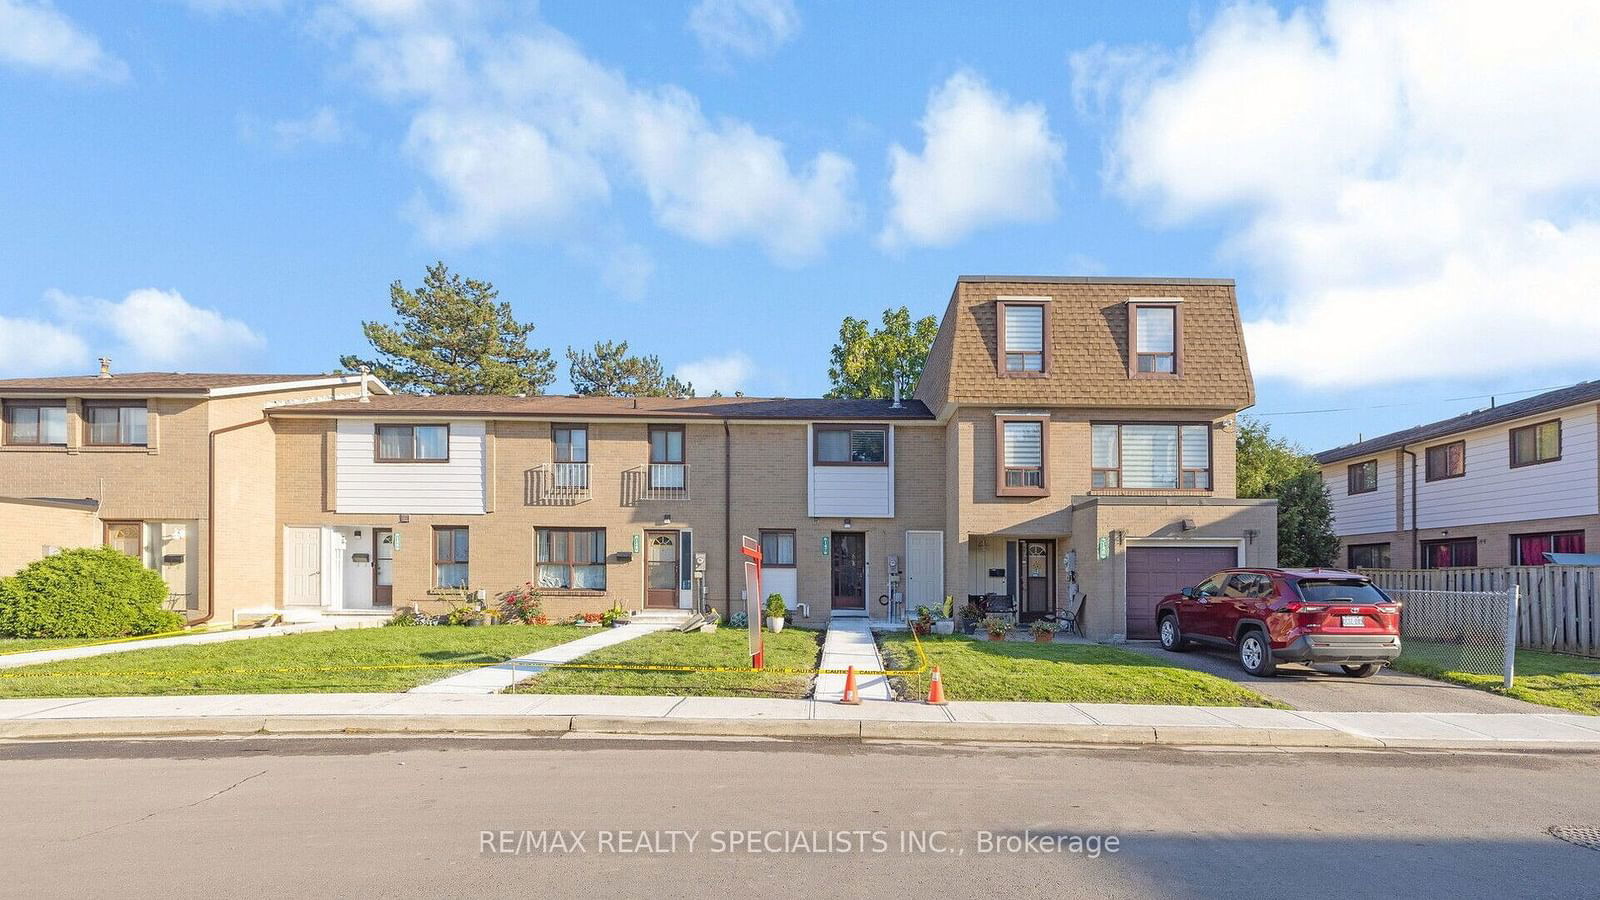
(558, 484)
(656, 481)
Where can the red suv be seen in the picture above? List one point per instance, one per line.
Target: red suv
(1286, 615)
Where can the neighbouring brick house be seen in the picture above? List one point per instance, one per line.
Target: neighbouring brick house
(1494, 487)
(1042, 457)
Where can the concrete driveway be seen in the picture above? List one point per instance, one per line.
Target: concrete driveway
(1327, 689)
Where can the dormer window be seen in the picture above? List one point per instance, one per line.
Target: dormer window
(1156, 332)
(1023, 350)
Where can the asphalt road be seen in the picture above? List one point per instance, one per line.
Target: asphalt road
(1328, 689)
(358, 817)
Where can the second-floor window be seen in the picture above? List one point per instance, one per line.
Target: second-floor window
(1533, 444)
(851, 446)
(1022, 337)
(1362, 477)
(119, 424)
(1155, 339)
(1151, 456)
(450, 548)
(571, 443)
(1447, 461)
(666, 445)
(412, 443)
(1021, 453)
(40, 424)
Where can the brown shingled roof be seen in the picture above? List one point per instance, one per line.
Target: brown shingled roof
(1089, 346)
(628, 407)
(167, 382)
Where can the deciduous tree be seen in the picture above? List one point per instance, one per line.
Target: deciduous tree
(865, 360)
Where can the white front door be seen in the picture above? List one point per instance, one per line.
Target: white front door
(924, 571)
(302, 566)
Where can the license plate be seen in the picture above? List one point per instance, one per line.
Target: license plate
(1353, 621)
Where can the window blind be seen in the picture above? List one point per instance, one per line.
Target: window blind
(1155, 327)
(1024, 329)
(1149, 456)
(1024, 445)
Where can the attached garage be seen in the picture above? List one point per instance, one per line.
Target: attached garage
(1154, 572)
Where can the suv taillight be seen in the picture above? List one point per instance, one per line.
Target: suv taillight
(1300, 606)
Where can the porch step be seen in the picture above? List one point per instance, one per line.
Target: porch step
(660, 616)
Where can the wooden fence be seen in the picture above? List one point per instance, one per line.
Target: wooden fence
(1559, 610)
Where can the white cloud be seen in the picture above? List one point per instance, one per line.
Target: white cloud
(1415, 181)
(34, 35)
(985, 161)
(322, 125)
(527, 133)
(151, 327)
(748, 28)
(727, 373)
(31, 347)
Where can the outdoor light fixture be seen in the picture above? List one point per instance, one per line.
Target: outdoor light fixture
(847, 523)
(666, 520)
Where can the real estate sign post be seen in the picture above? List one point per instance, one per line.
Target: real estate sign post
(752, 598)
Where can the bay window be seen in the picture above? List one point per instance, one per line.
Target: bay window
(1150, 456)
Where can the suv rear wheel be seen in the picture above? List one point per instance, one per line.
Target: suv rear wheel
(1171, 635)
(1365, 670)
(1255, 654)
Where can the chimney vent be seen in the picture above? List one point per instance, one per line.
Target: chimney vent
(365, 371)
(896, 380)
(105, 367)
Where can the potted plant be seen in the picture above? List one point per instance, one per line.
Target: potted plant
(775, 612)
(1043, 632)
(923, 623)
(970, 617)
(615, 617)
(996, 628)
(946, 623)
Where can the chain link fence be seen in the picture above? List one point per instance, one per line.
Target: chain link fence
(1460, 631)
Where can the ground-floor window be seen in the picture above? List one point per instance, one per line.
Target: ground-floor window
(1454, 552)
(777, 547)
(1368, 556)
(1529, 549)
(450, 556)
(570, 558)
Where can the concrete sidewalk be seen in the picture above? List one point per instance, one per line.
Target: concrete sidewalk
(849, 643)
(34, 657)
(496, 678)
(1085, 723)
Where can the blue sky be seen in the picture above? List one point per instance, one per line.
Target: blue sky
(1406, 193)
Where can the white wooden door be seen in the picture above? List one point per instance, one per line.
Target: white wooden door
(924, 571)
(302, 566)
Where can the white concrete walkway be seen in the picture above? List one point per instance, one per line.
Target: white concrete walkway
(496, 678)
(849, 643)
(34, 657)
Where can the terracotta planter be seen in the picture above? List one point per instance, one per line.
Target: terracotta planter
(997, 637)
(1045, 638)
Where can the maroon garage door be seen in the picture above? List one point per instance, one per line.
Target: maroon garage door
(1154, 572)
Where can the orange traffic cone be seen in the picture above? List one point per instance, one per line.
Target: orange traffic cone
(936, 689)
(851, 696)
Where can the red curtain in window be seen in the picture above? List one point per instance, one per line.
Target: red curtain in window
(1531, 549)
(1439, 556)
(1568, 543)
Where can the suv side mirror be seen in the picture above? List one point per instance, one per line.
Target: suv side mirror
(1188, 593)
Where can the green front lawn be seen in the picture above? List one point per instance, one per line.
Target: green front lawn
(246, 666)
(1060, 673)
(792, 648)
(10, 645)
(1550, 679)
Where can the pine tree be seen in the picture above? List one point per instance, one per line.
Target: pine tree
(452, 337)
(608, 371)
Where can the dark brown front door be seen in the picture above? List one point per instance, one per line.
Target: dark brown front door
(661, 570)
(1036, 562)
(382, 567)
(849, 570)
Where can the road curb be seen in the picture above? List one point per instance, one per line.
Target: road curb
(831, 729)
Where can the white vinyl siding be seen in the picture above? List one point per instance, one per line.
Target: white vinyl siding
(850, 490)
(367, 486)
(1491, 491)
(1364, 513)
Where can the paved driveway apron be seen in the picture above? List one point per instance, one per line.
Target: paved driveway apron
(1327, 689)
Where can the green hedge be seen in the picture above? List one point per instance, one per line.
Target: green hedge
(85, 593)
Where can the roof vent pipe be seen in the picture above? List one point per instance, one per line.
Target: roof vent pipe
(365, 371)
(105, 367)
(896, 381)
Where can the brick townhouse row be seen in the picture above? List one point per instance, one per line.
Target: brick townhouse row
(1070, 446)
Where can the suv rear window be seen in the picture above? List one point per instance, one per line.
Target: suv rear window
(1345, 591)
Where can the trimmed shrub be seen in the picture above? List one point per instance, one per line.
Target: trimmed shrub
(85, 593)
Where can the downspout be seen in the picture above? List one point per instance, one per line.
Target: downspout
(727, 521)
(1416, 546)
(211, 516)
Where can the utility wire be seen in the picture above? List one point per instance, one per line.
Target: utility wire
(1311, 412)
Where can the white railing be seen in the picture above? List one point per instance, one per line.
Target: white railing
(666, 481)
(557, 483)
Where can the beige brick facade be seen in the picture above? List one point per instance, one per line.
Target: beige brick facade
(31, 529)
